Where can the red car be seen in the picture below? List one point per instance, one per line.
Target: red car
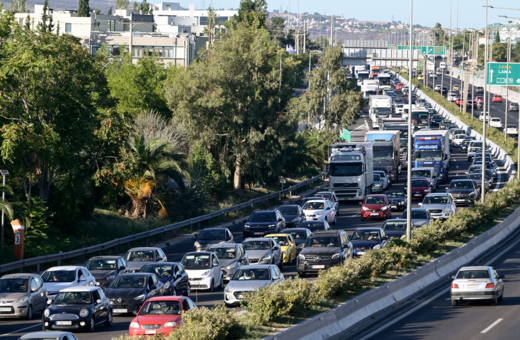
(458, 101)
(160, 315)
(399, 86)
(420, 187)
(479, 100)
(497, 98)
(375, 206)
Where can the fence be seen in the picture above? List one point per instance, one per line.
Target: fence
(37, 261)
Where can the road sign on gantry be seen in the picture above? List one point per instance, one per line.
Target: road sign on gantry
(497, 74)
(433, 50)
(407, 47)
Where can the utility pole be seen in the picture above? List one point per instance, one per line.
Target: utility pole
(451, 52)
(507, 77)
(483, 185)
(462, 70)
(489, 92)
(131, 35)
(409, 167)
(331, 30)
(304, 34)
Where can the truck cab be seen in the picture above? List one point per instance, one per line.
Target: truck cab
(432, 149)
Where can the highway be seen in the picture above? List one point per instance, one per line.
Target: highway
(349, 220)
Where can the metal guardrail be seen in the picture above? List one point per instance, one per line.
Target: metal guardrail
(37, 261)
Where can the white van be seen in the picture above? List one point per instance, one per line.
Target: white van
(429, 173)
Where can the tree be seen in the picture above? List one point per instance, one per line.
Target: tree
(17, 6)
(251, 12)
(276, 26)
(145, 7)
(136, 6)
(109, 11)
(46, 24)
(497, 37)
(515, 53)
(234, 103)
(84, 8)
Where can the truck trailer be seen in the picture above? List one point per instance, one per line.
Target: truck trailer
(386, 146)
(432, 149)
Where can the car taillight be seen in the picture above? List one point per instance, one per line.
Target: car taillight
(454, 285)
(490, 285)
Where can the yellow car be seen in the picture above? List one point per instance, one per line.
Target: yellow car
(456, 87)
(286, 243)
(420, 77)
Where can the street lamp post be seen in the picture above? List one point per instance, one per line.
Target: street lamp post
(409, 167)
(483, 184)
(4, 173)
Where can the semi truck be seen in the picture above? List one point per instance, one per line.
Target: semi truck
(370, 87)
(432, 149)
(351, 172)
(386, 147)
(400, 124)
(374, 71)
(362, 75)
(384, 80)
(380, 107)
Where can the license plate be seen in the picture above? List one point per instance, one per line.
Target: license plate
(460, 200)
(320, 266)
(417, 195)
(259, 233)
(64, 323)
(150, 331)
(120, 310)
(345, 198)
(5, 309)
(473, 285)
(374, 214)
(393, 206)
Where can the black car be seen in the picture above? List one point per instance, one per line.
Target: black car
(364, 239)
(128, 292)
(397, 200)
(463, 191)
(106, 268)
(436, 120)
(78, 308)
(391, 175)
(264, 222)
(445, 124)
(300, 236)
(211, 236)
(293, 215)
(315, 225)
(465, 144)
(323, 249)
(172, 275)
(395, 228)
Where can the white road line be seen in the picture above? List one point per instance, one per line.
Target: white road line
(366, 125)
(491, 326)
(23, 329)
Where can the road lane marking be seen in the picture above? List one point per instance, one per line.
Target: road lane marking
(491, 326)
(23, 329)
(366, 125)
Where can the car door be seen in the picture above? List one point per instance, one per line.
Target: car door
(105, 301)
(152, 288)
(292, 248)
(41, 293)
(91, 280)
(216, 270)
(34, 296)
(185, 305)
(230, 237)
(177, 280)
(99, 307)
(499, 281)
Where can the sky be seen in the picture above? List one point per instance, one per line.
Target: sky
(426, 13)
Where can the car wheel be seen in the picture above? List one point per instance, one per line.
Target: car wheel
(454, 303)
(494, 301)
(188, 291)
(92, 325)
(221, 284)
(501, 298)
(108, 323)
(29, 315)
(335, 219)
(302, 275)
(280, 266)
(211, 287)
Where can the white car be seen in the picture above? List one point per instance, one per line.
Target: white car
(452, 97)
(249, 278)
(477, 283)
(203, 269)
(59, 278)
(315, 210)
(496, 123)
(481, 118)
(512, 129)
(457, 140)
(440, 206)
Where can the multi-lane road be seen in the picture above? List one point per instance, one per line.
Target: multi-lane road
(349, 220)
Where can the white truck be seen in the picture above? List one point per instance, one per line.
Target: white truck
(351, 170)
(384, 80)
(380, 107)
(370, 87)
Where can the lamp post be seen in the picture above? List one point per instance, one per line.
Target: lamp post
(4, 173)
(409, 167)
(483, 184)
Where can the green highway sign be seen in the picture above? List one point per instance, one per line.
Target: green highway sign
(498, 73)
(390, 46)
(407, 47)
(433, 50)
(478, 75)
(345, 135)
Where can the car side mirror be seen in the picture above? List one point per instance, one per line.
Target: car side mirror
(99, 301)
(447, 188)
(49, 302)
(453, 277)
(35, 289)
(420, 204)
(385, 238)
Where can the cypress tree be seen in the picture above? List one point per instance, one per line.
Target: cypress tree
(84, 8)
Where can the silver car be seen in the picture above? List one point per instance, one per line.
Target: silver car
(263, 251)
(377, 187)
(477, 283)
(250, 278)
(420, 217)
(440, 206)
(21, 295)
(384, 179)
(231, 256)
(138, 257)
(50, 335)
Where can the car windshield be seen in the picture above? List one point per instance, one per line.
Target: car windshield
(159, 270)
(297, 234)
(128, 282)
(313, 226)
(366, 235)
(215, 234)
(473, 274)
(14, 285)
(475, 176)
(419, 214)
(346, 169)
(257, 245)
(375, 200)
(289, 210)
(383, 153)
(196, 261)
(475, 149)
(266, 216)
(395, 226)
(461, 185)
(495, 119)
(252, 274)
(509, 126)
(435, 200)
(377, 178)
(420, 173)
(140, 256)
(101, 265)
(395, 194)
(73, 298)
(227, 253)
(281, 240)
(313, 205)
(430, 155)
(419, 184)
(322, 241)
(59, 276)
(460, 136)
(161, 308)
(380, 173)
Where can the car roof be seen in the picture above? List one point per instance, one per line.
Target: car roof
(461, 180)
(475, 268)
(80, 289)
(136, 274)
(397, 220)
(17, 276)
(324, 232)
(144, 248)
(259, 211)
(251, 266)
(162, 263)
(311, 201)
(219, 229)
(322, 222)
(276, 234)
(222, 245)
(256, 239)
(45, 335)
(376, 195)
(64, 268)
(417, 209)
(167, 298)
(286, 231)
(199, 253)
(107, 257)
(438, 194)
(367, 228)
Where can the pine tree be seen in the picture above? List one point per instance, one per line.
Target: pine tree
(497, 37)
(28, 22)
(42, 26)
(84, 8)
(110, 11)
(136, 6)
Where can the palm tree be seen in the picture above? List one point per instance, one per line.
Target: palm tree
(147, 160)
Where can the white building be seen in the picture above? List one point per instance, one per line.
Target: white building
(505, 30)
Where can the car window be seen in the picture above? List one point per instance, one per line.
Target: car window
(96, 295)
(215, 261)
(473, 274)
(101, 294)
(38, 281)
(190, 303)
(185, 305)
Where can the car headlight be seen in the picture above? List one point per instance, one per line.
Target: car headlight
(206, 273)
(46, 313)
(336, 256)
(167, 285)
(472, 194)
(83, 313)
(246, 226)
(377, 185)
(196, 244)
(365, 208)
(24, 299)
(270, 226)
(319, 213)
(384, 208)
(170, 324)
(377, 246)
(447, 210)
(140, 298)
(301, 257)
(268, 257)
(296, 219)
(134, 325)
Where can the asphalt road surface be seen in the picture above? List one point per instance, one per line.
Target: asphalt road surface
(348, 219)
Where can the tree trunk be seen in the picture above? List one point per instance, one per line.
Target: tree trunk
(238, 176)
